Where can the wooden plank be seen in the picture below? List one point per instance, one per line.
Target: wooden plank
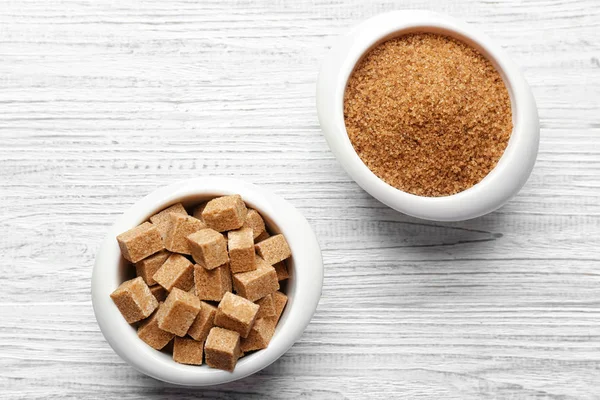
(103, 102)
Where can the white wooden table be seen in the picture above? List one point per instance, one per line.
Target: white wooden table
(102, 102)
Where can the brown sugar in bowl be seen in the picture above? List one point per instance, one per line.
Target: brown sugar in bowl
(488, 189)
(303, 288)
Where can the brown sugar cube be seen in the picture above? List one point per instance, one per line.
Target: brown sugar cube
(273, 249)
(213, 284)
(178, 312)
(208, 248)
(260, 335)
(236, 313)
(279, 300)
(203, 323)
(264, 328)
(197, 213)
(222, 348)
(159, 292)
(176, 272)
(262, 236)
(140, 242)
(256, 284)
(225, 213)
(134, 299)
(180, 227)
(162, 220)
(147, 267)
(255, 222)
(281, 270)
(241, 250)
(187, 351)
(267, 307)
(150, 333)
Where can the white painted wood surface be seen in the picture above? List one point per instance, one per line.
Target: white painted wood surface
(101, 102)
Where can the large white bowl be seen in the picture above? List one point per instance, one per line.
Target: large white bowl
(303, 287)
(513, 168)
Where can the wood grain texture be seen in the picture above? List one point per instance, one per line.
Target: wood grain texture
(101, 102)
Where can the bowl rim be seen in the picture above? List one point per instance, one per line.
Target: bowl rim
(305, 283)
(504, 180)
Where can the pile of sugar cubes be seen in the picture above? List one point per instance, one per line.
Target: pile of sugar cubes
(188, 267)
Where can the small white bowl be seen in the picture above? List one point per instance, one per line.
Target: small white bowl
(303, 287)
(513, 168)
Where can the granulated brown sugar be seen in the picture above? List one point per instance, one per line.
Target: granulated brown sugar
(428, 114)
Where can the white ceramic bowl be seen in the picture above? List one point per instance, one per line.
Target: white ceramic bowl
(513, 168)
(303, 287)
